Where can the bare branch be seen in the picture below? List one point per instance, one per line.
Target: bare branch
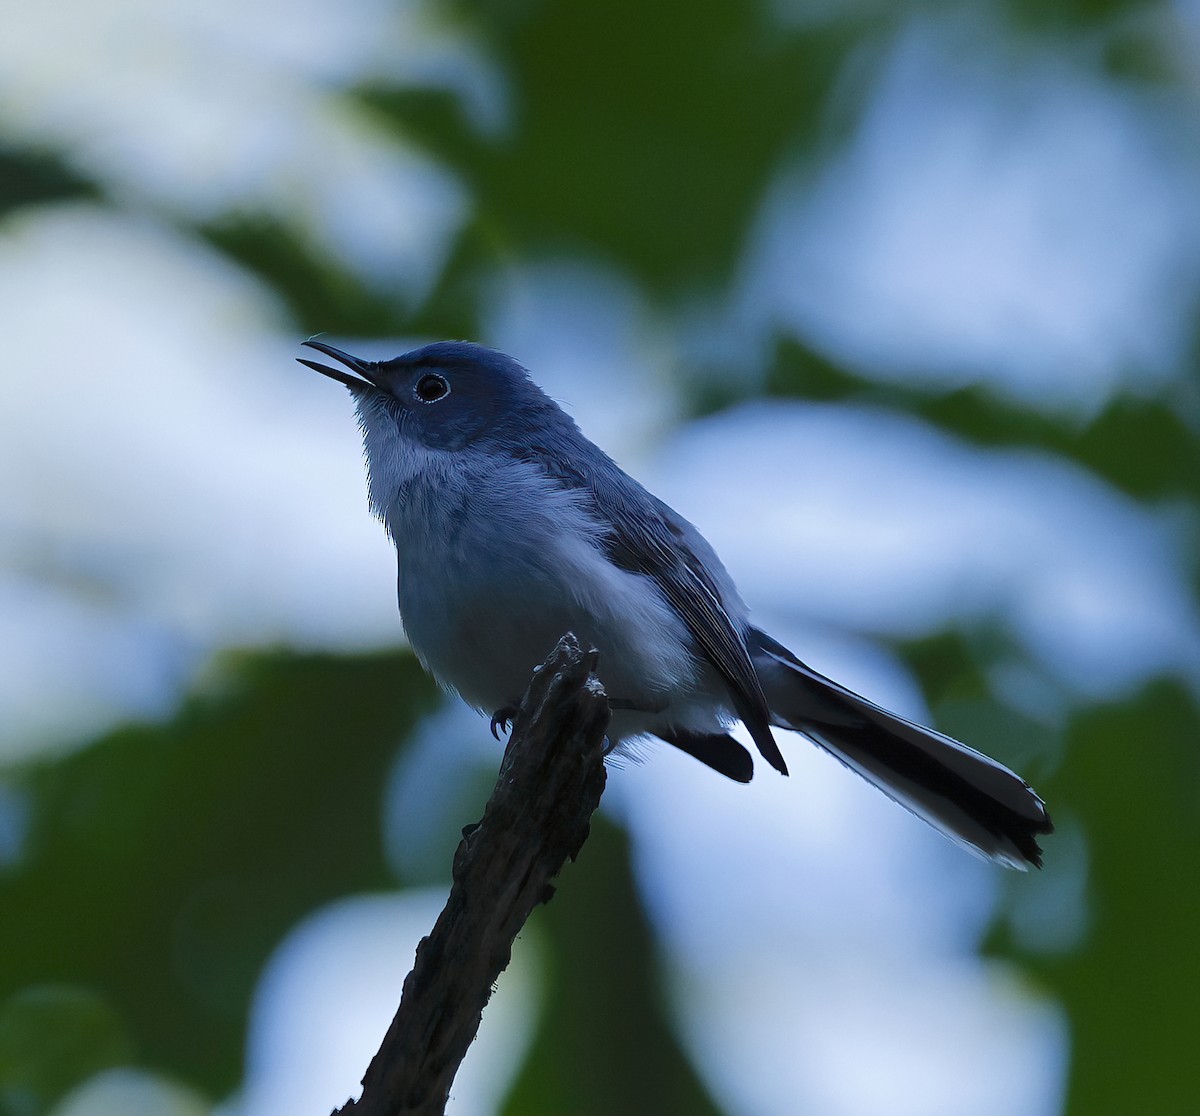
(538, 816)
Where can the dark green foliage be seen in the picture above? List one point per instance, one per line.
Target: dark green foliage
(1131, 777)
(163, 864)
(642, 134)
(32, 177)
(52, 1035)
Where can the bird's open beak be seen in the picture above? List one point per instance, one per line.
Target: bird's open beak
(364, 368)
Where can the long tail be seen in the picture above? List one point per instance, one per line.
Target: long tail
(971, 799)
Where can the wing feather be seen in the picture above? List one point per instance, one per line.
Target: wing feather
(650, 546)
(645, 536)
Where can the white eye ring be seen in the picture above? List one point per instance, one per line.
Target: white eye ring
(432, 388)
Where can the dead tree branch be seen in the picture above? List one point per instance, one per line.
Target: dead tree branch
(538, 816)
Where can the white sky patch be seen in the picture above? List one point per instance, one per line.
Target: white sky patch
(434, 787)
(330, 990)
(72, 664)
(1001, 218)
(384, 212)
(856, 1035)
(176, 483)
(131, 1092)
(876, 522)
(205, 109)
(799, 863)
(812, 925)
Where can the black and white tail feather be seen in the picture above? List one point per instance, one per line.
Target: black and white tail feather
(972, 799)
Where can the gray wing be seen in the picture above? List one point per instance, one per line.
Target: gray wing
(657, 548)
(648, 537)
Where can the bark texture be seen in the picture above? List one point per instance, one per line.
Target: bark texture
(539, 814)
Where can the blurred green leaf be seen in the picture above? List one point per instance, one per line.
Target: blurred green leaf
(164, 863)
(34, 177)
(1132, 777)
(51, 1037)
(644, 135)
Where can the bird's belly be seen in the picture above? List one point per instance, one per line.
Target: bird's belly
(481, 626)
(485, 649)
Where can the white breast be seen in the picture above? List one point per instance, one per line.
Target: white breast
(496, 562)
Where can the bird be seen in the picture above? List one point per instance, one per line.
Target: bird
(512, 528)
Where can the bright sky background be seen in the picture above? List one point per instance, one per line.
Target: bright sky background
(177, 485)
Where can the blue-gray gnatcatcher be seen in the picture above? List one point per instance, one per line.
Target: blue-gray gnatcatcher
(512, 528)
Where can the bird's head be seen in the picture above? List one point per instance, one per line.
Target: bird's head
(444, 396)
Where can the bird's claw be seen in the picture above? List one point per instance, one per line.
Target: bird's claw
(502, 718)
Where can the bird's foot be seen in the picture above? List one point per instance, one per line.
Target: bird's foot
(502, 718)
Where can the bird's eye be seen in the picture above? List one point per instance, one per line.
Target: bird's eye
(431, 388)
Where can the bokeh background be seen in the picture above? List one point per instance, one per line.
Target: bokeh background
(899, 302)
